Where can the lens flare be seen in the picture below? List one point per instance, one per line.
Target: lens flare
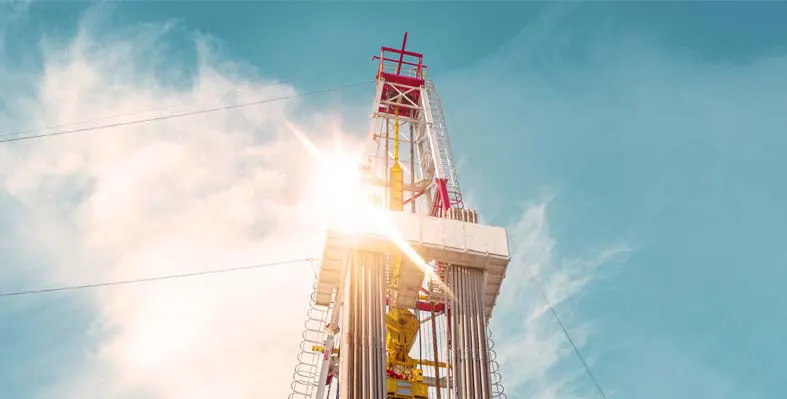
(345, 201)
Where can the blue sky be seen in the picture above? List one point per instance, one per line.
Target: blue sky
(635, 150)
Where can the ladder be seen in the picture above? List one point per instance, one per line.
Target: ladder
(304, 378)
(437, 134)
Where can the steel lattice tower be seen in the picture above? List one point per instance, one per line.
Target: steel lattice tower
(400, 308)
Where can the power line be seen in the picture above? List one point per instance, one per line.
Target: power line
(139, 111)
(571, 341)
(157, 278)
(540, 285)
(180, 115)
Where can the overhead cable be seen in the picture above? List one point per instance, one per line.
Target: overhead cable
(118, 115)
(571, 341)
(540, 286)
(155, 278)
(179, 115)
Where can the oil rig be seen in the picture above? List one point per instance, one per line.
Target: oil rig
(402, 301)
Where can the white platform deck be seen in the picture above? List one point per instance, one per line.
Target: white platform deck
(442, 240)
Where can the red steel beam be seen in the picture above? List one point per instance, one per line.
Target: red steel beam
(401, 55)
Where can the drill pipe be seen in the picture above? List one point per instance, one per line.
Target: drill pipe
(468, 334)
(363, 353)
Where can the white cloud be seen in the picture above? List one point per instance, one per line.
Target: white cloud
(531, 345)
(180, 195)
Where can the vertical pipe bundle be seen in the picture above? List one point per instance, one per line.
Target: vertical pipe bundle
(470, 346)
(362, 372)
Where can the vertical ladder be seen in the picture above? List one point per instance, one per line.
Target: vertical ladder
(441, 148)
(304, 378)
(498, 391)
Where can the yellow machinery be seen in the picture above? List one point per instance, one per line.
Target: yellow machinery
(404, 380)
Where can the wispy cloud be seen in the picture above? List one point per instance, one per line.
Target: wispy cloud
(531, 346)
(174, 196)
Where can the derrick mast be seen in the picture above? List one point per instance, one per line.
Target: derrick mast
(402, 303)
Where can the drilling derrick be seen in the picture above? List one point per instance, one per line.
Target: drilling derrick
(402, 302)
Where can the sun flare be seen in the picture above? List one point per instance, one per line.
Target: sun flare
(344, 201)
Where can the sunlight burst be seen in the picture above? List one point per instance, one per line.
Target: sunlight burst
(345, 203)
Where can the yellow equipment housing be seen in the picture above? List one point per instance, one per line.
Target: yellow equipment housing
(400, 389)
(402, 327)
